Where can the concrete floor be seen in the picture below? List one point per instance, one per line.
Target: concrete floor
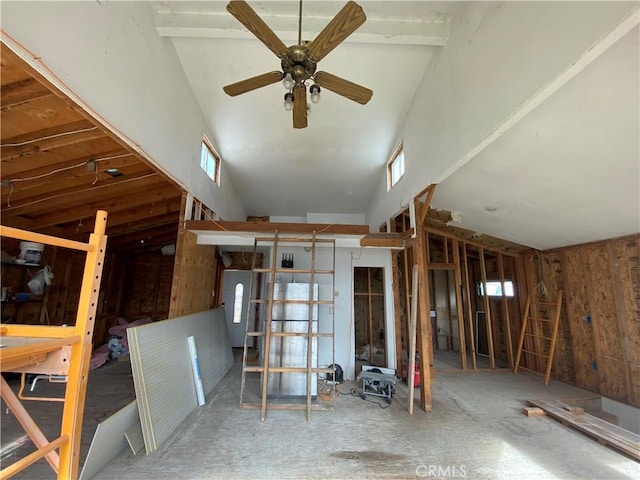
(476, 430)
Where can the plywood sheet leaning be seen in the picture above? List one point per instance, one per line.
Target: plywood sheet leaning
(162, 368)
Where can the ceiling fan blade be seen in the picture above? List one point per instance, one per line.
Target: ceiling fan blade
(299, 106)
(250, 19)
(343, 87)
(252, 83)
(343, 24)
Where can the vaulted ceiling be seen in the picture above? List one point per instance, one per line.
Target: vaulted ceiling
(55, 175)
(565, 171)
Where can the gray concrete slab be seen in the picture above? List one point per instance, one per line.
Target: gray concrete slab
(476, 430)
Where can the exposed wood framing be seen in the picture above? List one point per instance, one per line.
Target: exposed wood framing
(386, 240)
(194, 273)
(505, 309)
(425, 335)
(459, 305)
(263, 227)
(397, 308)
(469, 310)
(487, 308)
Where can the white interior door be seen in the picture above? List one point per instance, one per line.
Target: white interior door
(235, 295)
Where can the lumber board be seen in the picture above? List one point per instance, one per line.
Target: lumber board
(387, 240)
(261, 227)
(603, 431)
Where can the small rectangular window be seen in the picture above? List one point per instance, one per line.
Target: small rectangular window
(210, 161)
(237, 303)
(494, 289)
(395, 167)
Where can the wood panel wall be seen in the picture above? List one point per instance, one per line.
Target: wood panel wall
(598, 346)
(147, 283)
(194, 276)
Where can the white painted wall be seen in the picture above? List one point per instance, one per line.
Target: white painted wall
(108, 56)
(493, 63)
(628, 416)
(346, 260)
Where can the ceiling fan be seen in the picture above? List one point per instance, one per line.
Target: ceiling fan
(299, 61)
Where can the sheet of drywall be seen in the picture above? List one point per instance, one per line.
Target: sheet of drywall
(162, 373)
(109, 440)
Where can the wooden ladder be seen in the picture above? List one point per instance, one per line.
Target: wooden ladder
(540, 336)
(271, 330)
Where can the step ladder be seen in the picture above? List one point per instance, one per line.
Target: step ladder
(538, 335)
(274, 334)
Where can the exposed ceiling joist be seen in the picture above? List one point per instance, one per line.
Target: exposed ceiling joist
(55, 158)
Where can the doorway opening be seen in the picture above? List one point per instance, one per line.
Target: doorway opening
(369, 317)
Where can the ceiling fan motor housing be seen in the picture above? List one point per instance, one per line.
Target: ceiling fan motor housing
(298, 64)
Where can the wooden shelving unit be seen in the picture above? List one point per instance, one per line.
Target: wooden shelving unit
(266, 333)
(55, 350)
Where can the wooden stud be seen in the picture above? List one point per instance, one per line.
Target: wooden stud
(412, 338)
(505, 308)
(424, 323)
(459, 304)
(267, 337)
(467, 290)
(397, 320)
(487, 307)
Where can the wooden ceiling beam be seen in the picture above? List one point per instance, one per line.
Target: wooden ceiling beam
(269, 227)
(127, 219)
(475, 239)
(49, 139)
(387, 240)
(152, 241)
(155, 230)
(36, 166)
(138, 189)
(22, 91)
(48, 189)
(144, 198)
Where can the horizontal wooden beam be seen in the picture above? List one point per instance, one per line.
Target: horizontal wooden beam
(386, 240)
(49, 139)
(262, 227)
(474, 238)
(441, 266)
(22, 91)
(17, 169)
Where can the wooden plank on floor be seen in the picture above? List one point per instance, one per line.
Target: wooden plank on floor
(603, 431)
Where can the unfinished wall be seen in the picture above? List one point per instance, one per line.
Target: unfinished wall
(194, 276)
(147, 292)
(598, 346)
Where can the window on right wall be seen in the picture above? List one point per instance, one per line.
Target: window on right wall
(395, 167)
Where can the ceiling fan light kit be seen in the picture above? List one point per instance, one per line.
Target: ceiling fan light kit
(299, 62)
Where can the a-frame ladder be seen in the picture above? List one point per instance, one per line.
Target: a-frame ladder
(540, 334)
(267, 333)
